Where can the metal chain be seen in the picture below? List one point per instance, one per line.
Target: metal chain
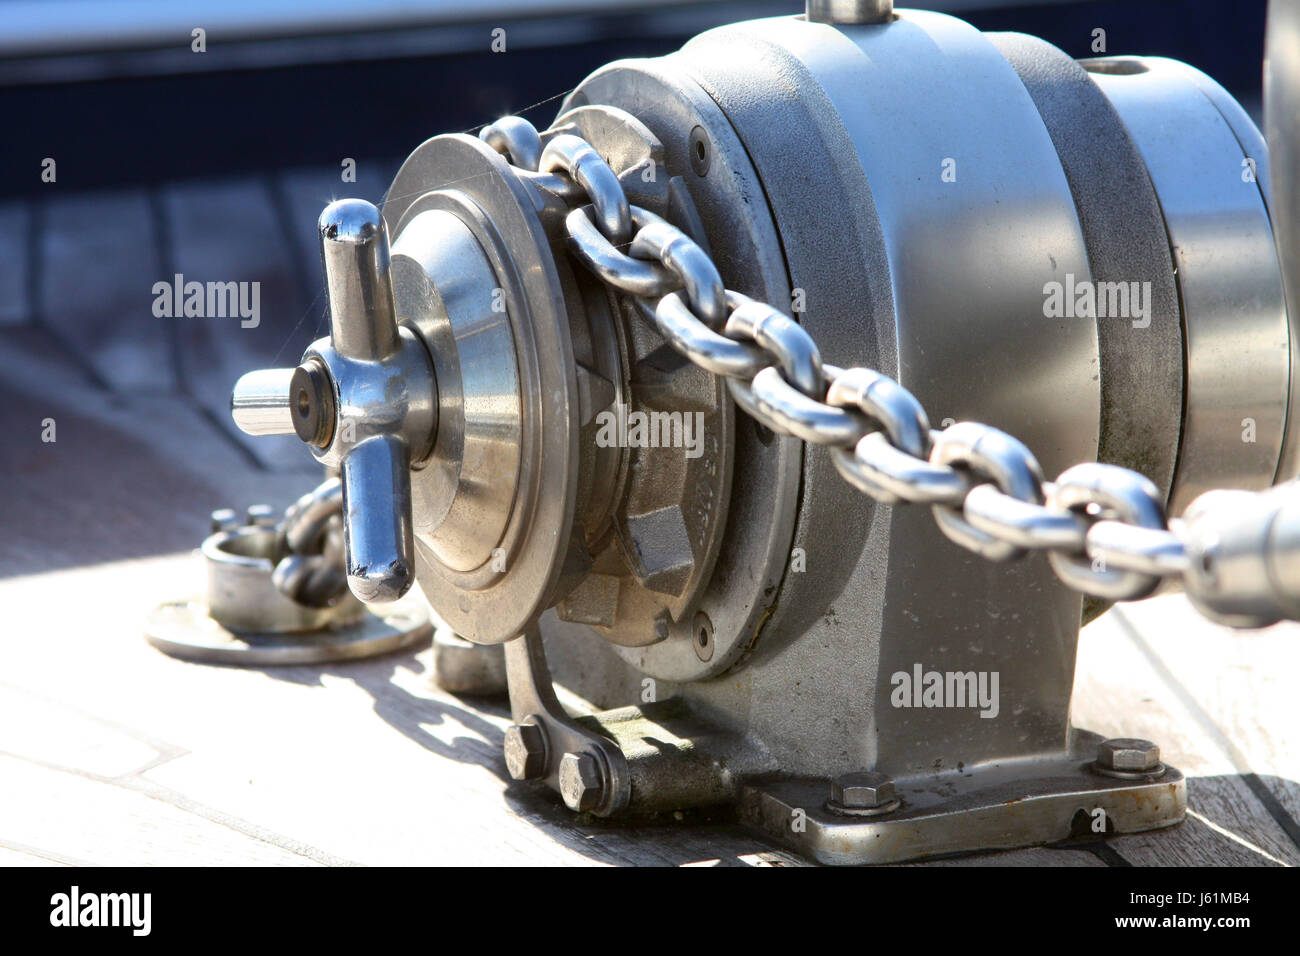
(1103, 527)
(313, 572)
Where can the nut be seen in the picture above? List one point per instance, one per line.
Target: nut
(862, 791)
(1128, 755)
(525, 749)
(261, 516)
(580, 781)
(224, 519)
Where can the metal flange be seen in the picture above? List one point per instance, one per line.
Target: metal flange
(185, 629)
(518, 292)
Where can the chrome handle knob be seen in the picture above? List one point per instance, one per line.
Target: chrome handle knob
(364, 399)
(358, 277)
(375, 471)
(377, 519)
(260, 403)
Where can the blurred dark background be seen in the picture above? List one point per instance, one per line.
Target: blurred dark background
(215, 165)
(124, 100)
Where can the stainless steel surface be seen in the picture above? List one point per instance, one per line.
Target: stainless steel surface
(464, 494)
(516, 139)
(934, 821)
(850, 11)
(358, 281)
(576, 159)
(740, 587)
(1116, 494)
(989, 455)
(223, 519)
(1019, 518)
(385, 390)
(382, 400)
(656, 536)
(463, 667)
(532, 292)
(1243, 555)
(1282, 125)
(184, 629)
(637, 276)
(1141, 370)
(260, 403)
(1230, 284)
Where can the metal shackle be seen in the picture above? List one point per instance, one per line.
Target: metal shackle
(364, 399)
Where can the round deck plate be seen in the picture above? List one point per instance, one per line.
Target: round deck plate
(183, 629)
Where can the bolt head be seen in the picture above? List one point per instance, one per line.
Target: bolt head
(1128, 755)
(525, 749)
(580, 782)
(224, 519)
(862, 791)
(261, 516)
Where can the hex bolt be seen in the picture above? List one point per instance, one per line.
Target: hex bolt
(1128, 755)
(224, 519)
(862, 791)
(525, 749)
(580, 781)
(260, 516)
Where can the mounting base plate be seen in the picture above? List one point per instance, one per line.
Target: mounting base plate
(986, 809)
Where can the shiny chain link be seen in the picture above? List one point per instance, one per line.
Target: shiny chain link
(1103, 527)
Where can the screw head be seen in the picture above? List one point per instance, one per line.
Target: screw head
(862, 791)
(580, 781)
(261, 516)
(224, 519)
(525, 749)
(702, 636)
(1128, 755)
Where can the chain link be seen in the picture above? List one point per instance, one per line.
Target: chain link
(1103, 527)
(313, 572)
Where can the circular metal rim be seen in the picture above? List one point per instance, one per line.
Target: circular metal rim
(1124, 230)
(1281, 99)
(492, 246)
(1152, 95)
(183, 629)
(758, 535)
(539, 319)
(628, 144)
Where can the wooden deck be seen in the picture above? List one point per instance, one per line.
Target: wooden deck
(111, 753)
